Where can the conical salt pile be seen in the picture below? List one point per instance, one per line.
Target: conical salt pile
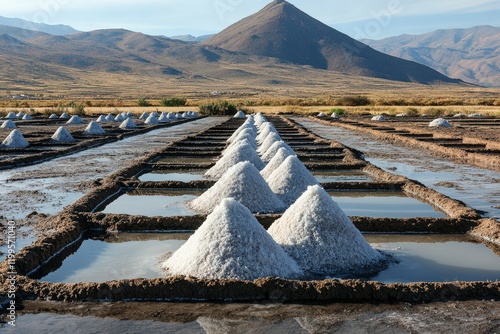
(128, 124)
(8, 124)
(20, 115)
(259, 119)
(63, 136)
(110, 118)
(11, 115)
(268, 142)
(244, 127)
(172, 116)
(94, 129)
(244, 135)
(240, 114)
(275, 162)
(241, 151)
(64, 116)
(164, 118)
(144, 115)
(53, 116)
(27, 117)
(378, 118)
(322, 239)
(74, 120)
(291, 180)
(231, 244)
(440, 123)
(101, 119)
(15, 140)
(243, 183)
(120, 118)
(152, 120)
(271, 151)
(264, 131)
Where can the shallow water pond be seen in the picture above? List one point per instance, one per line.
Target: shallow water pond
(383, 205)
(182, 176)
(341, 176)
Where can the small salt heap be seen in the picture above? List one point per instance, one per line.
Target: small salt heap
(101, 119)
(290, 180)
(64, 116)
(15, 140)
(476, 116)
(110, 118)
(20, 115)
(152, 120)
(259, 119)
(53, 116)
(268, 142)
(155, 114)
(335, 115)
(244, 183)
(378, 118)
(247, 134)
(275, 162)
(271, 151)
(321, 115)
(8, 124)
(144, 116)
(63, 136)
(27, 117)
(172, 116)
(246, 126)
(264, 130)
(164, 118)
(178, 115)
(128, 124)
(231, 244)
(94, 129)
(239, 152)
(240, 114)
(120, 118)
(74, 120)
(322, 239)
(440, 123)
(11, 115)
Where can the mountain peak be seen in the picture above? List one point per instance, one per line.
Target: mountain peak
(283, 31)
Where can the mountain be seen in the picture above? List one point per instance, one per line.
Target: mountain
(472, 55)
(191, 38)
(41, 27)
(282, 31)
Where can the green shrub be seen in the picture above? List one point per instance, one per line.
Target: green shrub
(338, 111)
(218, 108)
(173, 102)
(79, 109)
(142, 102)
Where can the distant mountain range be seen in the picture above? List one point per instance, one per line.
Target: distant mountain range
(42, 27)
(472, 55)
(191, 38)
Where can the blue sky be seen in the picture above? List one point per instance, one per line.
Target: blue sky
(358, 18)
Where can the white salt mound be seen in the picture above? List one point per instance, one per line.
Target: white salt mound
(172, 116)
(15, 140)
(63, 136)
(128, 124)
(378, 118)
(11, 115)
(244, 135)
(240, 114)
(164, 118)
(268, 142)
(231, 244)
(152, 120)
(74, 120)
(271, 152)
(335, 115)
(94, 129)
(459, 116)
(264, 131)
(290, 180)
(476, 116)
(8, 124)
(440, 123)
(101, 119)
(53, 116)
(27, 117)
(110, 118)
(243, 183)
(275, 162)
(244, 129)
(402, 115)
(64, 116)
(317, 234)
(321, 114)
(241, 151)
(259, 119)
(20, 114)
(144, 115)
(120, 118)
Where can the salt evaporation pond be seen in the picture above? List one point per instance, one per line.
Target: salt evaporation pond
(153, 203)
(178, 176)
(383, 204)
(191, 160)
(341, 176)
(421, 258)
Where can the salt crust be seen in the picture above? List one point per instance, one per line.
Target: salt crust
(63, 136)
(74, 120)
(244, 183)
(152, 120)
(290, 180)
(241, 151)
(231, 244)
(15, 140)
(275, 162)
(128, 124)
(268, 142)
(321, 238)
(8, 124)
(94, 129)
(271, 151)
(440, 123)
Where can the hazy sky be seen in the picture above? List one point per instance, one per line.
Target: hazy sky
(358, 18)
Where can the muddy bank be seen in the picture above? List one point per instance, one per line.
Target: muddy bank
(489, 230)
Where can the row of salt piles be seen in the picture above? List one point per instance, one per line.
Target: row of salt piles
(318, 239)
(20, 115)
